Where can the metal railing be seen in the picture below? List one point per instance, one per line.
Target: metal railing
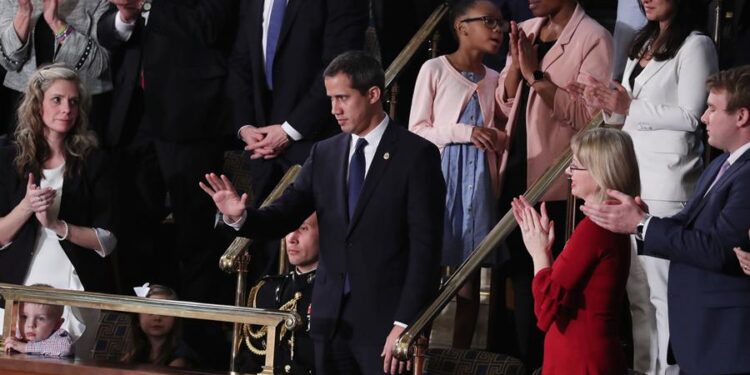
(273, 320)
(404, 345)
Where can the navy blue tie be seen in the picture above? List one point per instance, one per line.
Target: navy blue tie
(356, 180)
(272, 38)
(356, 175)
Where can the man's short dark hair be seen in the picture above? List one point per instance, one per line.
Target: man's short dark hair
(362, 68)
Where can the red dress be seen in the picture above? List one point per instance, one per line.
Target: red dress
(578, 303)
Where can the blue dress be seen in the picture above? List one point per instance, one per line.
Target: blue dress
(470, 211)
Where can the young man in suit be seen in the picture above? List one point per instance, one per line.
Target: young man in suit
(379, 194)
(707, 293)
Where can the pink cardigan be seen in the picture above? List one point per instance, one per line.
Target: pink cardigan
(440, 94)
(583, 48)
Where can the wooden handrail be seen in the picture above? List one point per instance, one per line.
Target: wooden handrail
(272, 319)
(406, 54)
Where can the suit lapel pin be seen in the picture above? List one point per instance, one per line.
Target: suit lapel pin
(387, 155)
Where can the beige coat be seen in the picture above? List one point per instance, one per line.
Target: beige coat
(583, 48)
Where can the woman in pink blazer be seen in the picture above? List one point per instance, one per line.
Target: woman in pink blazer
(557, 48)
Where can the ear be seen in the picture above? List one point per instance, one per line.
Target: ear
(374, 94)
(743, 117)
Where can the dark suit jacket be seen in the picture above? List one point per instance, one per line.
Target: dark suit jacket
(86, 201)
(182, 52)
(390, 249)
(708, 295)
(312, 34)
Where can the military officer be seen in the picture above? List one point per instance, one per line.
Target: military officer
(292, 291)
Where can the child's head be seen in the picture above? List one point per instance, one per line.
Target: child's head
(477, 24)
(158, 326)
(150, 329)
(39, 321)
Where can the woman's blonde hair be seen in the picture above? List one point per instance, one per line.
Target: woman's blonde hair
(609, 156)
(33, 149)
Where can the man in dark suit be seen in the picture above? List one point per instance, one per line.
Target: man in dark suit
(169, 72)
(169, 60)
(379, 194)
(709, 297)
(275, 86)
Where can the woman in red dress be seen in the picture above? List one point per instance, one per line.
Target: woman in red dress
(578, 297)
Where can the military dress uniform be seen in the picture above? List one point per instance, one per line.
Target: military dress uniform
(295, 355)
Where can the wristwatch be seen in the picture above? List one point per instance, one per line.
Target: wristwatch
(538, 76)
(146, 7)
(639, 229)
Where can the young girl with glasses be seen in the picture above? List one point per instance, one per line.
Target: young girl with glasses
(454, 107)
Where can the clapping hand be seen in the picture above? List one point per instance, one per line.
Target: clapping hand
(25, 5)
(528, 61)
(225, 196)
(37, 199)
(51, 16)
(611, 100)
(538, 231)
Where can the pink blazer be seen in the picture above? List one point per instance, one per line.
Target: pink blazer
(440, 94)
(583, 48)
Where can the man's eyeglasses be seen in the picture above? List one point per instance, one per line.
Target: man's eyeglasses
(490, 22)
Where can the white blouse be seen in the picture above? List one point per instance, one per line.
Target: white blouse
(49, 263)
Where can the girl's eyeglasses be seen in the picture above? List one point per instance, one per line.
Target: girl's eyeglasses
(490, 22)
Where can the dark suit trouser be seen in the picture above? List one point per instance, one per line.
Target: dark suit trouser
(340, 355)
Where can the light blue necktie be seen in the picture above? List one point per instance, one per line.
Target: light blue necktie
(272, 38)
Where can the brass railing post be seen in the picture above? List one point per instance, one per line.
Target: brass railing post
(239, 300)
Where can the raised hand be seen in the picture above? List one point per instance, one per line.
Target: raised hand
(225, 196)
(51, 16)
(25, 6)
(513, 45)
(527, 56)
